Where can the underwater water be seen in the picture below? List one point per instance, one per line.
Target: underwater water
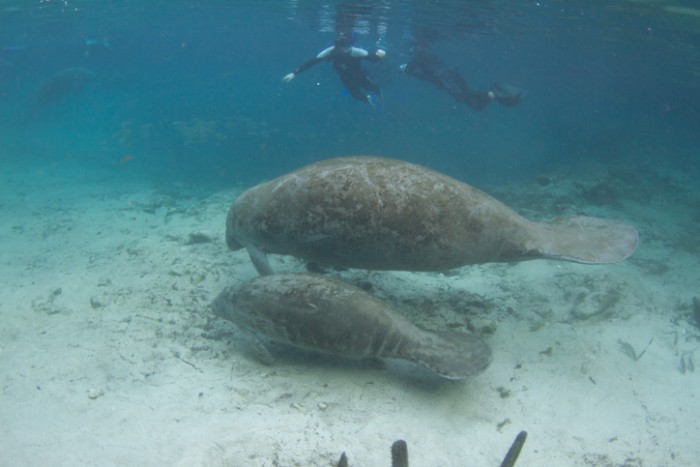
(128, 128)
(194, 91)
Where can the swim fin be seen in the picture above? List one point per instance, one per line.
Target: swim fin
(507, 94)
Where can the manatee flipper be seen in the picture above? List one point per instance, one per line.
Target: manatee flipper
(256, 347)
(260, 352)
(257, 256)
(583, 239)
(452, 355)
(260, 261)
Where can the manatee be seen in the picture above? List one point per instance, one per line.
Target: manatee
(385, 214)
(317, 312)
(59, 85)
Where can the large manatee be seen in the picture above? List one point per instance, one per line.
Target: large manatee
(327, 315)
(378, 213)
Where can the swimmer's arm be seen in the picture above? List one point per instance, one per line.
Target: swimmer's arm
(323, 55)
(362, 53)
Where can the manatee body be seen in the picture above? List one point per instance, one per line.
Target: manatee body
(378, 213)
(59, 85)
(319, 313)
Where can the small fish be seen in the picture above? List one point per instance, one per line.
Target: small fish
(127, 158)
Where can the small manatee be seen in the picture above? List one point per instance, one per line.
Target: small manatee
(328, 315)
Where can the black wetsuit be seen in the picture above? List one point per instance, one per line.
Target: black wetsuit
(348, 64)
(429, 67)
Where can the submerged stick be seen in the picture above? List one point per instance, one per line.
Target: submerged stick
(399, 454)
(514, 451)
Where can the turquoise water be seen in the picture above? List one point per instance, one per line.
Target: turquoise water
(606, 82)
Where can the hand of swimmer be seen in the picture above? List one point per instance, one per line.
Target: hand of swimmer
(380, 53)
(287, 78)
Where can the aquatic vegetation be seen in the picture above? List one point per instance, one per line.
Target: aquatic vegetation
(627, 349)
(686, 364)
(198, 131)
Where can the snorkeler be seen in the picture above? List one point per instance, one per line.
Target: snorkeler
(347, 62)
(429, 67)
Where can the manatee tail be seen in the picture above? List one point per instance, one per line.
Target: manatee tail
(584, 239)
(452, 355)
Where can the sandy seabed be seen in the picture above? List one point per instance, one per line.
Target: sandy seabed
(109, 354)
